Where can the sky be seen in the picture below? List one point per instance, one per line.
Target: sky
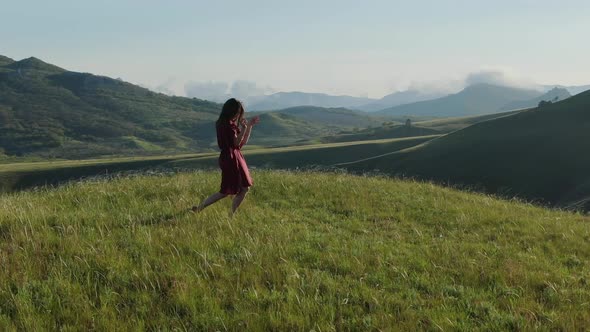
(360, 48)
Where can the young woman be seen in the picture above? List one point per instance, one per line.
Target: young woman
(235, 177)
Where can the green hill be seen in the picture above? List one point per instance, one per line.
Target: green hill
(539, 154)
(5, 60)
(385, 131)
(307, 251)
(48, 111)
(417, 128)
(474, 100)
(447, 125)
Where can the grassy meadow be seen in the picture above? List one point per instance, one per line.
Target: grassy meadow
(307, 251)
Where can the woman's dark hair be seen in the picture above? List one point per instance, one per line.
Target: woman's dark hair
(230, 109)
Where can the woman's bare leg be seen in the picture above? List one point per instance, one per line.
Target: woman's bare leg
(238, 199)
(208, 201)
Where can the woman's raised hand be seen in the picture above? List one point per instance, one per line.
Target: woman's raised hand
(254, 121)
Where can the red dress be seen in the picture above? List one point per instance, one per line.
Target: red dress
(234, 170)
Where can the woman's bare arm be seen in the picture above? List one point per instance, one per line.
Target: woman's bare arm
(245, 136)
(248, 125)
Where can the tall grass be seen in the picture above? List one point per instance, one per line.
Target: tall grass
(306, 251)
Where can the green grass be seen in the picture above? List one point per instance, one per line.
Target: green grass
(307, 251)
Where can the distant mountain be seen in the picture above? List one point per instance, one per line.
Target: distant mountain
(573, 89)
(283, 100)
(553, 95)
(399, 98)
(335, 117)
(539, 154)
(473, 100)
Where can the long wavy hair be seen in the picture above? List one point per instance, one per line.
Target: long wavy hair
(231, 108)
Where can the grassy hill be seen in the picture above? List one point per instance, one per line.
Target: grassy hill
(539, 154)
(386, 131)
(418, 128)
(5, 60)
(447, 125)
(476, 99)
(307, 251)
(335, 118)
(48, 111)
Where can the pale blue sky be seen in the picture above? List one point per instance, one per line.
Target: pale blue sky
(331, 46)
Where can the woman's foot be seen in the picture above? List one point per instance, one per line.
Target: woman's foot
(196, 209)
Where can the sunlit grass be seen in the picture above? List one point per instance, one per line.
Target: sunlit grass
(306, 251)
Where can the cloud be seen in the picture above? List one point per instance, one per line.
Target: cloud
(221, 91)
(495, 76)
(246, 89)
(437, 87)
(498, 76)
(214, 91)
(166, 87)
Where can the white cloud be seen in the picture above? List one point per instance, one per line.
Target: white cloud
(214, 91)
(499, 76)
(242, 89)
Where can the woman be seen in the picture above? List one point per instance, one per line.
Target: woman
(235, 177)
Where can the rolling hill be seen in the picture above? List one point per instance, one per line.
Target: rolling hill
(333, 117)
(48, 111)
(539, 154)
(381, 132)
(474, 100)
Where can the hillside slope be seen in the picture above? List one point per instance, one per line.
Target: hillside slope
(474, 100)
(553, 95)
(46, 110)
(540, 154)
(306, 251)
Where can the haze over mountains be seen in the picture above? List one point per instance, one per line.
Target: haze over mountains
(282, 100)
(476, 99)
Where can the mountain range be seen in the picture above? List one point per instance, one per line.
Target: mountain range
(475, 99)
(282, 100)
